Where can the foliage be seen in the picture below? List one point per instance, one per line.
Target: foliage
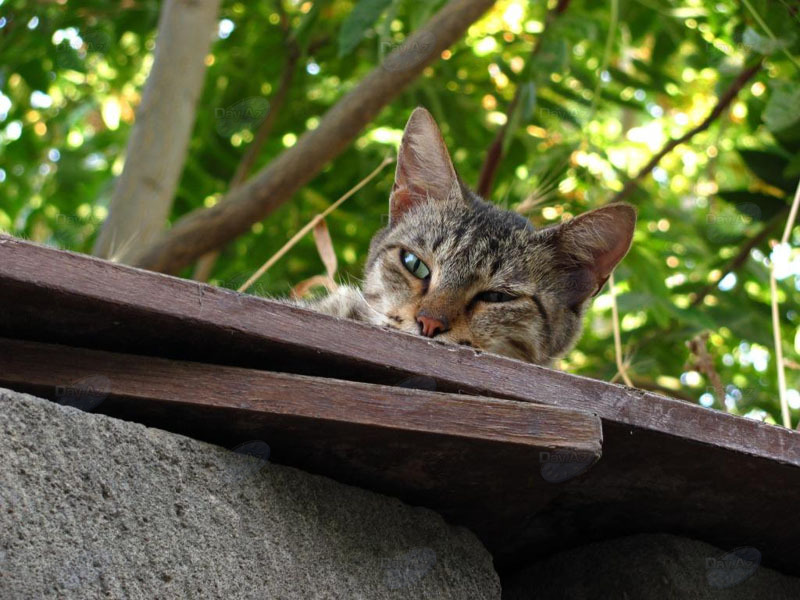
(72, 76)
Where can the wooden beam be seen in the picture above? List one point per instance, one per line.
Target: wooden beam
(667, 465)
(63, 297)
(461, 455)
(48, 367)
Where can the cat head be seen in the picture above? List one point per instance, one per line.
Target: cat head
(453, 267)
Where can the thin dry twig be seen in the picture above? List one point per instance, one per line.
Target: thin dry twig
(741, 258)
(623, 370)
(776, 322)
(698, 346)
(311, 224)
(495, 153)
(723, 102)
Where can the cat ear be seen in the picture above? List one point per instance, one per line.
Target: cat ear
(424, 169)
(595, 242)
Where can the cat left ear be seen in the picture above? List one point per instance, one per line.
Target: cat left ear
(424, 169)
(597, 241)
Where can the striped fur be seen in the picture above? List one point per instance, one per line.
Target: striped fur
(471, 246)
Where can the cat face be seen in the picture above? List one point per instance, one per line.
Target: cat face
(453, 267)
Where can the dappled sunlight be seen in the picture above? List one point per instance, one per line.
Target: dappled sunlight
(573, 124)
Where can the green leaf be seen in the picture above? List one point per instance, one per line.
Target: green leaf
(793, 168)
(563, 90)
(552, 57)
(764, 45)
(522, 112)
(361, 18)
(624, 78)
(560, 111)
(634, 301)
(759, 207)
(528, 100)
(67, 58)
(769, 167)
(664, 47)
(655, 75)
(783, 107)
(34, 75)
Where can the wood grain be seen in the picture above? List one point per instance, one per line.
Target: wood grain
(457, 454)
(49, 366)
(667, 465)
(78, 300)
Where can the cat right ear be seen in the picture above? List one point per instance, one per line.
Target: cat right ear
(424, 169)
(595, 242)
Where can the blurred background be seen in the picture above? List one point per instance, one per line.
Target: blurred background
(551, 107)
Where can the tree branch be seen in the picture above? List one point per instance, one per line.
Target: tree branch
(495, 153)
(698, 346)
(205, 229)
(159, 139)
(294, 52)
(741, 257)
(723, 102)
(293, 55)
(205, 263)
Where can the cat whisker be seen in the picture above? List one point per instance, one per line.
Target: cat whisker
(543, 189)
(532, 201)
(537, 196)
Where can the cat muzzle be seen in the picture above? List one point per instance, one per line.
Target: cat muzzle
(431, 326)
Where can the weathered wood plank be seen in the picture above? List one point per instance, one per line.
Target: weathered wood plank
(64, 297)
(457, 454)
(241, 391)
(667, 465)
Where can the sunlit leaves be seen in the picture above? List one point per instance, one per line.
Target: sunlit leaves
(783, 108)
(77, 77)
(763, 44)
(362, 17)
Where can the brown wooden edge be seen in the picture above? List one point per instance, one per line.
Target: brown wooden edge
(74, 372)
(454, 368)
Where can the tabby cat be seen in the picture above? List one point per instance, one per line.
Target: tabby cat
(452, 267)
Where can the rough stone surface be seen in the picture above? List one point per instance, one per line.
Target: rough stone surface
(93, 507)
(650, 567)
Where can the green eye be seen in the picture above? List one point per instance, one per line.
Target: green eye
(414, 265)
(495, 297)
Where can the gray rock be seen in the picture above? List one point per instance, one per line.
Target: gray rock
(93, 507)
(651, 567)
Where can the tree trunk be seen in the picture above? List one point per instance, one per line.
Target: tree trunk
(157, 146)
(208, 228)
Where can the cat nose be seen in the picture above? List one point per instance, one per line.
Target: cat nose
(432, 326)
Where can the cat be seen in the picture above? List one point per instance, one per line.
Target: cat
(452, 267)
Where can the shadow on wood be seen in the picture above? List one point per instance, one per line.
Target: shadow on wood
(667, 465)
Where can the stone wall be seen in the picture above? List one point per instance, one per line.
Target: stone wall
(93, 507)
(651, 567)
